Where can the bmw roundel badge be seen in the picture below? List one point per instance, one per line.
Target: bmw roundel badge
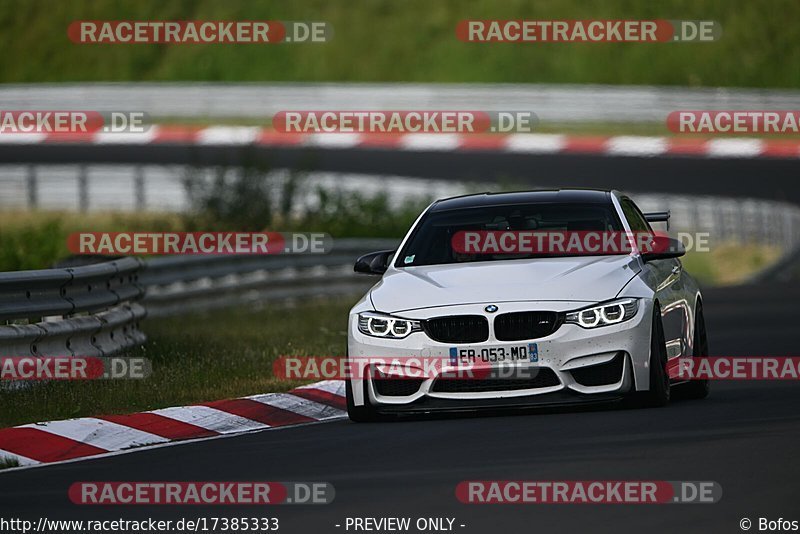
(491, 308)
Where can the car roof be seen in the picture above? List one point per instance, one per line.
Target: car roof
(567, 196)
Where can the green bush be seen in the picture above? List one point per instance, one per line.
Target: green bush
(353, 214)
(37, 240)
(254, 199)
(32, 247)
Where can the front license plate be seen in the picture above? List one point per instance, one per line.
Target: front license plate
(524, 352)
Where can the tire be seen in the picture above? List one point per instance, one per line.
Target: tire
(697, 389)
(659, 393)
(359, 414)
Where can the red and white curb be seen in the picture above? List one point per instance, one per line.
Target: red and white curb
(56, 441)
(531, 143)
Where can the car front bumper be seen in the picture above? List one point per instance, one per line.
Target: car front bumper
(573, 364)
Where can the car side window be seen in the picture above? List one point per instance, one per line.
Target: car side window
(634, 216)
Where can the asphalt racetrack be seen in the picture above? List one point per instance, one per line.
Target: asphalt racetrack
(745, 436)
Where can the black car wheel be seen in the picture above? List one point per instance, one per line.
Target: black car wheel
(697, 389)
(659, 392)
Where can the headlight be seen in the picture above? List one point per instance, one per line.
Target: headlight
(382, 325)
(606, 314)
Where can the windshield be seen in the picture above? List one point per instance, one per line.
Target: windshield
(439, 237)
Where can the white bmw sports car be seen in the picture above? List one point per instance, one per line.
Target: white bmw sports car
(558, 328)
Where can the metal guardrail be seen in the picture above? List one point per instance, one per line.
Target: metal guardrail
(95, 310)
(86, 311)
(207, 282)
(551, 102)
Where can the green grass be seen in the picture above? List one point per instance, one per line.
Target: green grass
(408, 41)
(729, 263)
(193, 362)
(7, 463)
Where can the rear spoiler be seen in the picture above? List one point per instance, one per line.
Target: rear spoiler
(658, 216)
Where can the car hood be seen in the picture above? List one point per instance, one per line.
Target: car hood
(589, 279)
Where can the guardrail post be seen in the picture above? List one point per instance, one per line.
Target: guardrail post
(763, 234)
(138, 188)
(719, 221)
(32, 187)
(738, 216)
(83, 189)
(694, 217)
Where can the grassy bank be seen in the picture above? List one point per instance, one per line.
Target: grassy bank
(414, 40)
(193, 362)
(729, 263)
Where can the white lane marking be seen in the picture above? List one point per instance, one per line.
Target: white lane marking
(210, 419)
(298, 405)
(734, 148)
(333, 140)
(102, 434)
(637, 146)
(22, 138)
(535, 143)
(228, 135)
(430, 141)
(128, 138)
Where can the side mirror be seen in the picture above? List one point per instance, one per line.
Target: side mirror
(664, 249)
(374, 262)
